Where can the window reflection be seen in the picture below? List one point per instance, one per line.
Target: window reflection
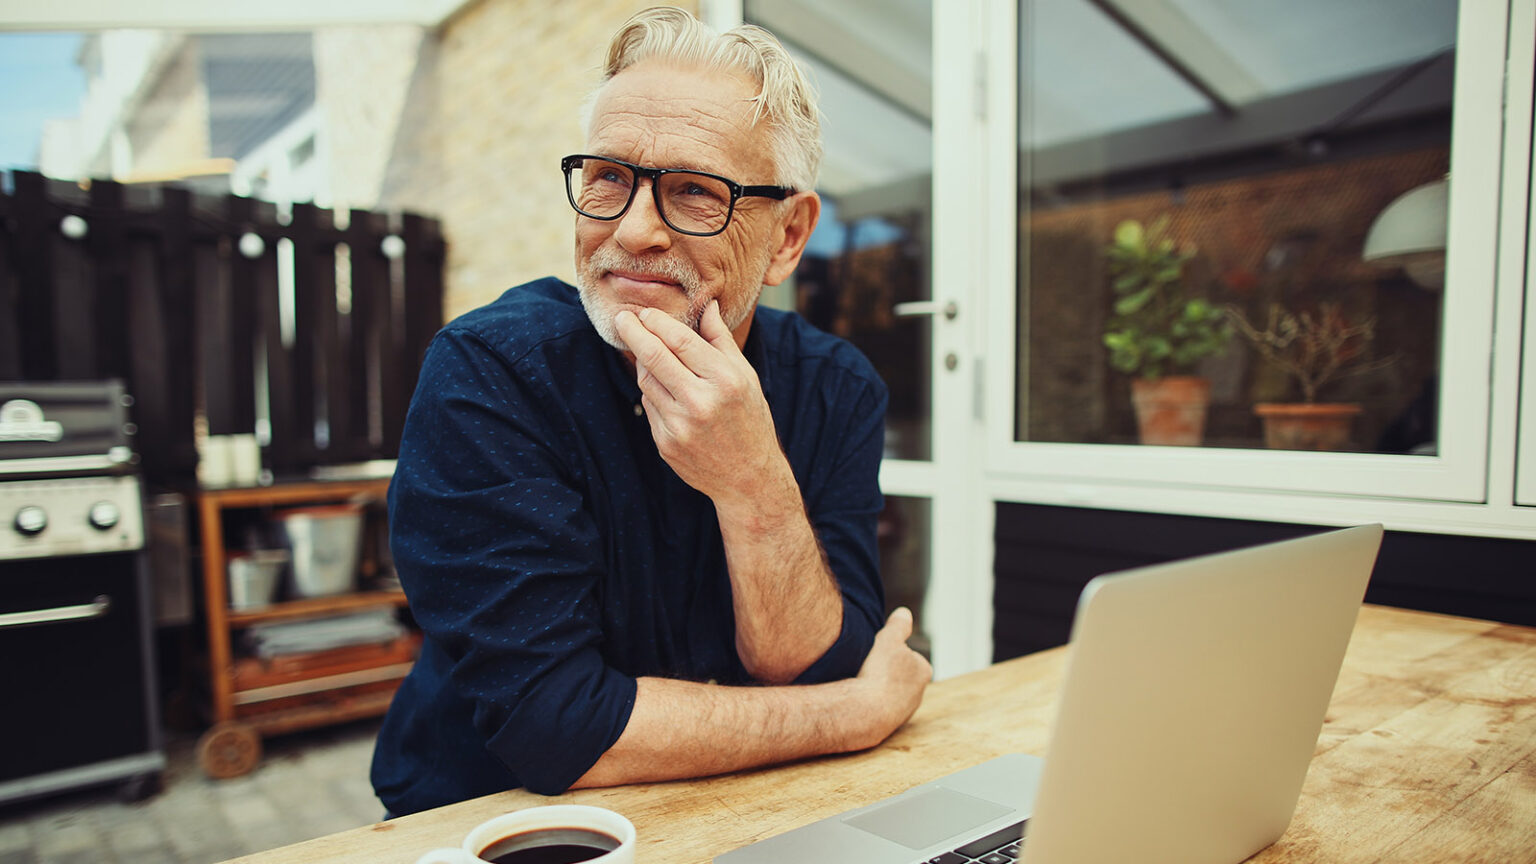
(903, 536)
(870, 251)
(1268, 138)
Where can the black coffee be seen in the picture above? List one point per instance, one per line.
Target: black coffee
(550, 846)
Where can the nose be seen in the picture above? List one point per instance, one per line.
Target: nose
(641, 229)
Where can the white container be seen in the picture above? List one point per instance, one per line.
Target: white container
(253, 577)
(215, 462)
(244, 460)
(323, 542)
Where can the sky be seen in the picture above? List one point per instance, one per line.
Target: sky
(40, 82)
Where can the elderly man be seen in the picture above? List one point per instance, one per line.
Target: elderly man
(636, 518)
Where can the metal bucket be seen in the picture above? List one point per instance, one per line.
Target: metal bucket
(323, 542)
(253, 577)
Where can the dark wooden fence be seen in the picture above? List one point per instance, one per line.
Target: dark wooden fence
(195, 303)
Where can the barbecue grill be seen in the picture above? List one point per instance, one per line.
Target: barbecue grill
(76, 665)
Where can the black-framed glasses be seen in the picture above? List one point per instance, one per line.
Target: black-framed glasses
(696, 203)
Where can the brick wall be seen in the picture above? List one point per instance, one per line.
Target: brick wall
(170, 129)
(363, 78)
(512, 75)
(468, 124)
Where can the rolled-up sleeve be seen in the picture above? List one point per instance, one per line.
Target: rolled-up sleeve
(500, 562)
(841, 486)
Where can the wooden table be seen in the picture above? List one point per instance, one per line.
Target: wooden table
(1428, 754)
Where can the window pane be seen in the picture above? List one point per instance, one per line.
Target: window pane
(1287, 162)
(904, 534)
(869, 254)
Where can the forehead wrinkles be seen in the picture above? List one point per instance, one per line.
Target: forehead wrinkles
(698, 142)
(675, 118)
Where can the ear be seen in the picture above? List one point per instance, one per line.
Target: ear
(793, 230)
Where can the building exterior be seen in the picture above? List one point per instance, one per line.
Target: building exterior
(464, 120)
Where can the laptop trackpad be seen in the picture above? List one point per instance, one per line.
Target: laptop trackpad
(928, 817)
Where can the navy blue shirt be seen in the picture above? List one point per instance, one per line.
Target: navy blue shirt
(551, 557)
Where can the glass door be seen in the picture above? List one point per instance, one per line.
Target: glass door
(867, 275)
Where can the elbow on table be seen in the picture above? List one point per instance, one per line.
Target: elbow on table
(559, 770)
(556, 736)
(838, 658)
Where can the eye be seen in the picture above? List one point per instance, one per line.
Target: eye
(700, 191)
(596, 172)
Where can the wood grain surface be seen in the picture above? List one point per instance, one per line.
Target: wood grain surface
(1428, 753)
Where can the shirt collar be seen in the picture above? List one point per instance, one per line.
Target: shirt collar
(621, 372)
(756, 352)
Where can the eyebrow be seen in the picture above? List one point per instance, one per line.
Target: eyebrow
(681, 166)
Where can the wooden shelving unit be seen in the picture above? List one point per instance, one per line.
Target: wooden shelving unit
(251, 697)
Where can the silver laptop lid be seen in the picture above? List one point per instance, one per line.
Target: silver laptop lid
(1193, 700)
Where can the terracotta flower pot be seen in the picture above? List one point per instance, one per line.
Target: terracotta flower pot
(1170, 411)
(1305, 425)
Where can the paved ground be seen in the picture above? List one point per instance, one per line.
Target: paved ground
(308, 784)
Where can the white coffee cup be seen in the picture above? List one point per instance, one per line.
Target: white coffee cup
(542, 826)
(215, 465)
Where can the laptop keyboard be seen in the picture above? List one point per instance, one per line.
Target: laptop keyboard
(999, 847)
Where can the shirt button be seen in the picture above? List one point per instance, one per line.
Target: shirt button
(639, 410)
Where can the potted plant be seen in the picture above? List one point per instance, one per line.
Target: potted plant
(1314, 347)
(1158, 331)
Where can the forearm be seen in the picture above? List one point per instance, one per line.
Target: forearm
(787, 604)
(713, 425)
(680, 729)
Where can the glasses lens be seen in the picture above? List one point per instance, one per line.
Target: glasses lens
(600, 189)
(695, 202)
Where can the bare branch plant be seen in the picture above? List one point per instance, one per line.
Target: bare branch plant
(1312, 347)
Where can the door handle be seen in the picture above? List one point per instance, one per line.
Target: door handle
(915, 308)
(94, 609)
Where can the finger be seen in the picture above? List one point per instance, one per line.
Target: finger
(712, 327)
(627, 325)
(651, 353)
(648, 384)
(899, 624)
(695, 355)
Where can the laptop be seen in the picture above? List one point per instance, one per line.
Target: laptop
(1190, 709)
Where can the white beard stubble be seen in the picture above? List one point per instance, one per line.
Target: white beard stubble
(602, 308)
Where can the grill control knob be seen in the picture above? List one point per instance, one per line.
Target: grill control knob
(31, 520)
(104, 515)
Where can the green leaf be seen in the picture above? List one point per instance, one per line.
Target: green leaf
(1153, 323)
(1125, 283)
(1133, 303)
(1129, 233)
(1125, 357)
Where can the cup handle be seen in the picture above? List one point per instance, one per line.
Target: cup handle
(449, 856)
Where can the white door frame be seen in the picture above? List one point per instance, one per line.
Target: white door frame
(957, 610)
(965, 256)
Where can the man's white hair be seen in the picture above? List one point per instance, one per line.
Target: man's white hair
(786, 102)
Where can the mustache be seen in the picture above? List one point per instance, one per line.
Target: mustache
(671, 269)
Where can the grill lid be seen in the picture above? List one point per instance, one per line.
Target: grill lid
(63, 422)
